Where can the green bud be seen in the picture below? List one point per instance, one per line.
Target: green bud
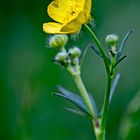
(111, 40)
(61, 56)
(74, 52)
(58, 41)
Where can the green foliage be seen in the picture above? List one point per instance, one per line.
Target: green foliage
(114, 85)
(75, 99)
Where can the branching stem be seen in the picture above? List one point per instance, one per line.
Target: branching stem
(100, 131)
(95, 39)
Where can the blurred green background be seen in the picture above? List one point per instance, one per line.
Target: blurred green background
(28, 111)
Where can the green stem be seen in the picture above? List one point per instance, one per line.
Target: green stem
(106, 105)
(100, 135)
(79, 83)
(100, 131)
(99, 47)
(84, 94)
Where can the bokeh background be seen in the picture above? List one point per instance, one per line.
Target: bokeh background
(28, 111)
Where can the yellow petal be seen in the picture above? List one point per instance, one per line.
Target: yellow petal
(55, 28)
(64, 11)
(70, 14)
(75, 24)
(81, 1)
(87, 9)
(86, 4)
(57, 10)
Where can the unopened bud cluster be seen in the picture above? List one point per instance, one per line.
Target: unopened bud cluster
(70, 57)
(74, 52)
(64, 57)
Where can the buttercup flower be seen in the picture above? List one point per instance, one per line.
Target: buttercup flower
(69, 16)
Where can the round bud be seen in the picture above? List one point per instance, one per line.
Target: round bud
(61, 57)
(74, 52)
(111, 39)
(58, 41)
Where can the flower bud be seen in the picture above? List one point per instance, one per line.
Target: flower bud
(111, 39)
(58, 41)
(74, 52)
(61, 56)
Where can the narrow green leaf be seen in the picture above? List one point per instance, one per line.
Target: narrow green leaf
(77, 112)
(114, 85)
(120, 60)
(99, 54)
(95, 50)
(75, 99)
(123, 44)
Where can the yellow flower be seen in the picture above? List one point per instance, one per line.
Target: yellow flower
(69, 16)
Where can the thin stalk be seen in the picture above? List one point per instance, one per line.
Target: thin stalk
(75, 73)
(106, 105)
(99, 47)
(79, 83)
(107, 96)
(100, 131)
(100, 135)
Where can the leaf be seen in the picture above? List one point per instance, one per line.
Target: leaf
(123, 44)
(120, 60)
(99, 54)
(75, 99)
(114, 85)
(95, 50)
(94, 105)
(77, 112)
